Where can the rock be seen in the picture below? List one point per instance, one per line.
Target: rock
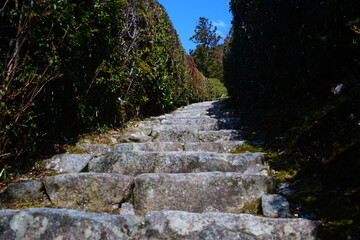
(175, 136)
(149, 147)
(134, 163)
(26, 191)
(45, 223)
(136, 138)
(148, 124)
(257, 169)
(198, 192)
(274, 205)
(127, 209)
(143, 130)
(220, 226)
(95, 148)
(221, 135)
(97, 192)
(285, 190)
(71, 163)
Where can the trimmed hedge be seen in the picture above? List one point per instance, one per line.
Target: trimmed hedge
(69, 66)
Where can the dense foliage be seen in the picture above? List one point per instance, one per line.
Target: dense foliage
(295, 67)
(208, 55)
(70, 65)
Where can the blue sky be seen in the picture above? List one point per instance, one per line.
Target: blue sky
(185, 14)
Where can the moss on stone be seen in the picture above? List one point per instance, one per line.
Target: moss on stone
(253, 207)
(246, 148)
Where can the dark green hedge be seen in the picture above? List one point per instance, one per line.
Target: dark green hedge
(294, 68)
(69, 66)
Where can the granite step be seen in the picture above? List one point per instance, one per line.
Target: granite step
(134, 163)
(220, 147)
(198, 192)
(195, 136)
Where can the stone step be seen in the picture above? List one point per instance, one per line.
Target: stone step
(94, 148)
(95, 192)
(198, 121)
(195, 136)
(198, 192)
(134, 163)
(183, 127)
(149, 147)
(220, 226)
(46, 223)
(192, 123)
(199, 114)
(56, 224)
(220, 147)
(71, 163)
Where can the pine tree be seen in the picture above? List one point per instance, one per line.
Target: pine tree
(207, 39)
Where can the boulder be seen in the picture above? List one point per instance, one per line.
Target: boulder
(70, 163)
(220, 226)
(45, 223)
(97, 192)
(198, 192)
(275, 205)
(134, 163)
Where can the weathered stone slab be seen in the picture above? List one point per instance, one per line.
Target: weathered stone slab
(221, 135)
(149, 147)
(275, 205)
(71, 163)
(183, 127)
(195, 136)
(45, 223)
(97, 192)
(187, 121)
(175, 136)
(26, 191)
(184, 116)
(257, 169)
(135, 138)
(95, 148)
(220, 147)
(134, 130)
(198, 192)
(220, 226)
(133, 163)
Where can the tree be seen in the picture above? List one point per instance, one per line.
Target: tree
(205, 34)
(207, 39)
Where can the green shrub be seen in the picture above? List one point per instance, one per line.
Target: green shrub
(71, 66)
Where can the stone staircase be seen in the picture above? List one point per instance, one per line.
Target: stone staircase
(174, 177)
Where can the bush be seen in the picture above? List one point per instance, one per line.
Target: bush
(71, 66)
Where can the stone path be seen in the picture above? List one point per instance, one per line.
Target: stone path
(174, 177)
